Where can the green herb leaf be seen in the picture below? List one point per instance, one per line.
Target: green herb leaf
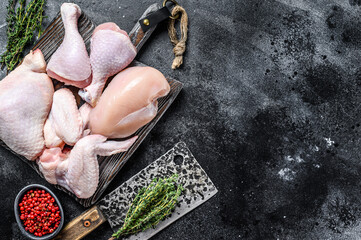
(151, 205)
(21, 25)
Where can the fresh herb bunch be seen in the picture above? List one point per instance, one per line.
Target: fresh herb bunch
(151, 205)
(21, 25)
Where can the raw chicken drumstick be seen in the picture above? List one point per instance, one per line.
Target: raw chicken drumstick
(78, 171)
(111, 51)
(70, 63)
(25, 96)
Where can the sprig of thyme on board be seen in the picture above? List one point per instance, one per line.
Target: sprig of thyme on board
(151, 205)
(21, 25)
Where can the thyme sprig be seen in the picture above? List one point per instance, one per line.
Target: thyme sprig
(150, 206)
(21, 25)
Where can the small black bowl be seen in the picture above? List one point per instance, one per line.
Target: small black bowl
(19, 197)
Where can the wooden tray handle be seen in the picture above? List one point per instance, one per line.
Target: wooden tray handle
(82, 225)
(137, 35)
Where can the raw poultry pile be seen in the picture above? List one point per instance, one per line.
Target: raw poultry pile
(49, 127)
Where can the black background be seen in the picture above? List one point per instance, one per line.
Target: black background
(270, 108)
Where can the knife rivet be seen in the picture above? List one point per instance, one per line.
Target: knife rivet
(146, 22)
(87, 223)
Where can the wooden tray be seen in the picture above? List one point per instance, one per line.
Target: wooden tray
(108, 166)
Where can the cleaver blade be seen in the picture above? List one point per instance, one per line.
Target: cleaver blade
(198, 188)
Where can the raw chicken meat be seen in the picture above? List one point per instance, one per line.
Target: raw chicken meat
(78, 171)
(65, 118)
(111, 51)
(70, 63)
(51, 139)
(49, 161)
(25, 96)
(129, 102)
(85, 110)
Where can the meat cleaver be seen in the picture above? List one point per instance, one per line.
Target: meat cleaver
(198, 188)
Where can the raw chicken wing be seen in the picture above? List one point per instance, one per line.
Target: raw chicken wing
(25, 96)
(65, 117)
(70, 63)
(51, 139)
(79, 171)
(85, 110)
(49, 161)
(129, 102)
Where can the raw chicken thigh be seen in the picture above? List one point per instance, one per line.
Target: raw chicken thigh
(25, 96)
(65, 120)
(78, 171)
(129, 102)
(70, 63)
(111, 51)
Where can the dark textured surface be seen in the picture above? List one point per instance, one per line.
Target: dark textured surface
(270, 109)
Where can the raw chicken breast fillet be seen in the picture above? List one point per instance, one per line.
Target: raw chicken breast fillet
(129, 102)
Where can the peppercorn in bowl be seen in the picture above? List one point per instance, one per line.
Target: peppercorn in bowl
(38, 212)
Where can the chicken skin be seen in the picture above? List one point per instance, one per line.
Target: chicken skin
(26, 95)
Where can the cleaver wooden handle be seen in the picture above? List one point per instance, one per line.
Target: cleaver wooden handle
(82, 225)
